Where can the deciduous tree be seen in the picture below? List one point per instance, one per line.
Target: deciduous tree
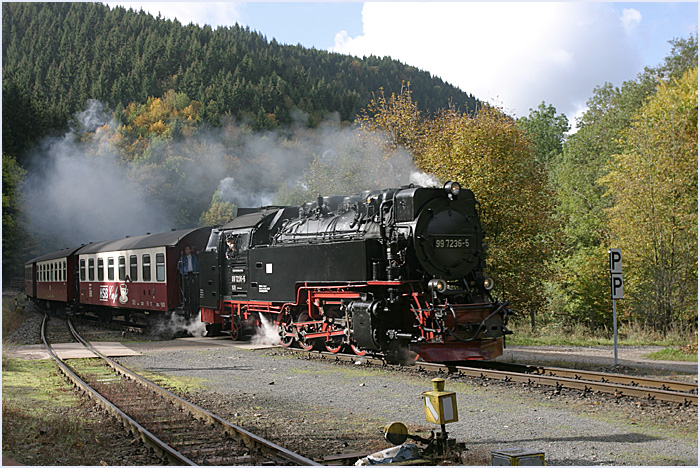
(654, 185)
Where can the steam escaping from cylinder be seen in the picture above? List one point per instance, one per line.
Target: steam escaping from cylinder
(267, 334)
(177, 323)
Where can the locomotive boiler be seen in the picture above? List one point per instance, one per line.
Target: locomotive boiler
(396, 272)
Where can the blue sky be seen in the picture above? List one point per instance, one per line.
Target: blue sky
(514, 55)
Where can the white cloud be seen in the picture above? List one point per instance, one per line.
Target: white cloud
(630, 19)
(512, 54)
(212, 13)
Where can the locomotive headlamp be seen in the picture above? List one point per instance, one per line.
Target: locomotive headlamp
(452, 188)
(488, 283)
(437, 285)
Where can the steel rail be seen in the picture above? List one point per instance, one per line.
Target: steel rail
(233, 431)
(161, 448)
(617, 389)
(634, 381)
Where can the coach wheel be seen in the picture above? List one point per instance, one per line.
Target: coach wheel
(357, 350)
(334, 344)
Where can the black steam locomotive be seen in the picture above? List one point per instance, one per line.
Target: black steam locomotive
(384, 271)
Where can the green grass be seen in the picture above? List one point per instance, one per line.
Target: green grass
(672, 354)
(41, 421)
(579, 335)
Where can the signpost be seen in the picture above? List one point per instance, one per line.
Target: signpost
(615, 288)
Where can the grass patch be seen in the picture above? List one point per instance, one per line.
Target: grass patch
(580, 335)
(672, 354)
(43, 420)
(172, 383)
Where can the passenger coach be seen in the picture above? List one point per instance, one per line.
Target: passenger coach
(51, 278)
(119, 277)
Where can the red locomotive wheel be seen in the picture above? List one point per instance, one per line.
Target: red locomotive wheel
(235, 331)
(306, 345)
(334, 345)
(286, 336)
(357, 350)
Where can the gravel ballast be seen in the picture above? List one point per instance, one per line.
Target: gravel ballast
(317, 408)
(297, 399)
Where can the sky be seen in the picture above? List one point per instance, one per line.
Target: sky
(512, 54)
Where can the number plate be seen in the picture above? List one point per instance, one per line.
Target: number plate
(451, 242)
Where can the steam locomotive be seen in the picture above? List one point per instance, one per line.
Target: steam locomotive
(397, 272)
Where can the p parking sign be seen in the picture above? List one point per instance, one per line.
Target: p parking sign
(615, 261)
(615, 288)
(615, 273)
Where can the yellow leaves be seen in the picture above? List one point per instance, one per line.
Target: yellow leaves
(157, 127)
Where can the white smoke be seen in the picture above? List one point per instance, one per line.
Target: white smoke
(267, 334)
(230, 191)
(177, 323)
(83, 188)
(423, 179)
(76, 190)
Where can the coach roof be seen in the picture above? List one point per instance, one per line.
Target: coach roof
(167, 239)
(54, 255)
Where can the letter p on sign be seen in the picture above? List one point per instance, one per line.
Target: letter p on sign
(615, 261)
(615, 273)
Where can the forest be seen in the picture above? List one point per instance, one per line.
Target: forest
(117, 123)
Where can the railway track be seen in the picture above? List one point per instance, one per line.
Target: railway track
(178, 431)
(617, 385)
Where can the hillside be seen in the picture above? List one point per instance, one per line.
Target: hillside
(56, 56)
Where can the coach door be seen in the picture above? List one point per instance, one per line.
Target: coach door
(236, 245)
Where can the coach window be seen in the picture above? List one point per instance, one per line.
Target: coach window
(65, 271)
(160, 267)
(51, 273)
(110, 269)
(91, 269)
(100, 269)
(82, 269)
(122, 268)
(146, 267)
(133, 268)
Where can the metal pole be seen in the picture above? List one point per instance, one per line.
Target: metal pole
(615, 328)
